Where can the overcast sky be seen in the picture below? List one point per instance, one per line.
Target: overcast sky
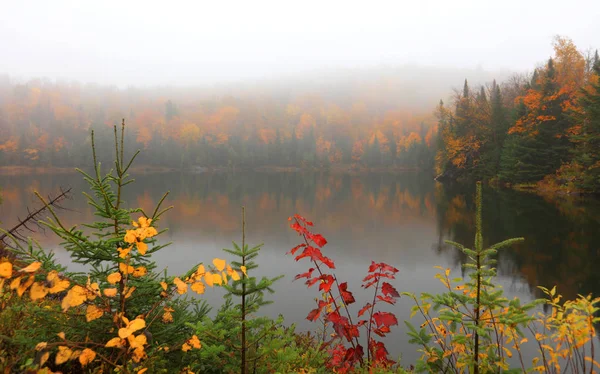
(195, 42)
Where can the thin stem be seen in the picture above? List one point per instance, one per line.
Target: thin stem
(371, 320)
(243, 363)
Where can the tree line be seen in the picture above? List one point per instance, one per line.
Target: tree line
(539, 128)
(46, 123)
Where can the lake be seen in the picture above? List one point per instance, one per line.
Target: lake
(400, 219)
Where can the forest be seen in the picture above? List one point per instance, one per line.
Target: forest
(539, 128)
(379, 120)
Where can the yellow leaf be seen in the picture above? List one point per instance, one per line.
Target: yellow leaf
(33, 267)
(125, 269)
(132, 327)
(208, 278)
(87, 356)
(128, 292)
(38, 291)
(167, 317)
(124, 252)
(45, 356)
(93, 312)
(113, 278)
(142, 247)
(76, 296)
(61, 335)
(59, 285)
(194, 342)
(198, 287)
(219, 264)
(15, 283)
(114, 342)
(137, 341)
(232, 273)
(140, 272)
(138, 354)
(181, 286)
(63, 355)
(199, 272)
(110, 292)
(25, 286)
(130, 237)
(6, 270)
(243, 269)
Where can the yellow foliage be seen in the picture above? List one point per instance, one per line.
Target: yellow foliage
(63, 355)
(219, 264)
(131, 327)
(38, 291)
(33, 267)
(75, 297)
(181, 286)
(87, 356)
(93, 312)
(6, 270)
(114, 277)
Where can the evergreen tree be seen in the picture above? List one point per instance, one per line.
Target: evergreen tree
(250, 292)
(170, 110)
(587, 153)
(499, 126)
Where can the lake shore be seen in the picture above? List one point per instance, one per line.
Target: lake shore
(29, 170)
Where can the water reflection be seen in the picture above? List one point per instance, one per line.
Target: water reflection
(400, 219)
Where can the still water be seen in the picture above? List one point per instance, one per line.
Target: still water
(400, 219)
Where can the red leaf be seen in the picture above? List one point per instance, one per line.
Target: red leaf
(313, 315)
(354, 355)
(346, 295)
(380, 353)
(327, 282)
(310, 282)
(373, 266)
(386, 267)
(364, 309)
(385, 319)
(319, 240)
(302, 219)
(387, 299)
(305, 275)
(382, 331)
(327, 261)
(293, 250)
(389, 290)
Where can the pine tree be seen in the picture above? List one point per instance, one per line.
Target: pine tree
(587, 153)
(250, 292)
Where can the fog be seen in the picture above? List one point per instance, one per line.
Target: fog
(147, 43)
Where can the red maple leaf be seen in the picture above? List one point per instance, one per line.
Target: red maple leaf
(364, 309)
(389, 290)
(387, 299)
(328, 280)
(305, 275)
(319, 240)
(346, 295)
(293, 250)
(385, 319)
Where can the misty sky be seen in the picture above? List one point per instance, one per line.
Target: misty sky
(196, 42)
